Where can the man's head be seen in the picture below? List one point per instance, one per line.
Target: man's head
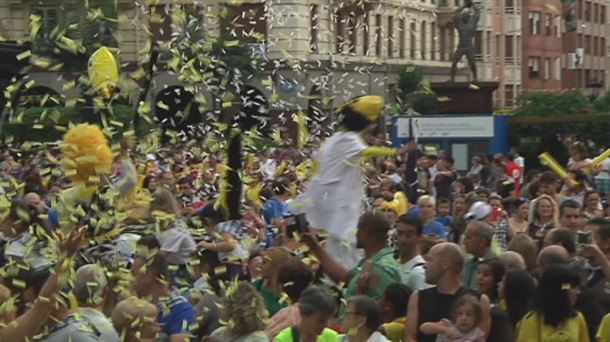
(552, 255)
(372, 230)
(443, 207)
(408, 234)
(477, 238)
(548, 183)
(570, 215)
(512, 260)
(90, 285)
(563, 237)
(136, 320)
(281, 188)
(444, 261)
(601, 230)
(395, 301)
(185, 185)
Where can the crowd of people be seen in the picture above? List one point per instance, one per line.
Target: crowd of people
(499, 253)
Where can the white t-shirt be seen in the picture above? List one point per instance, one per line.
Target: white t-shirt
(604, 173)
(33, 252)
(178, 242)
(414, 274)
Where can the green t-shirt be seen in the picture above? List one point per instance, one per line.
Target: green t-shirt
(328, 335)
(384, 267)
(272, 301)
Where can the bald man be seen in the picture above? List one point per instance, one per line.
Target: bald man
(552, 255)
(444, 264)
(512, 260)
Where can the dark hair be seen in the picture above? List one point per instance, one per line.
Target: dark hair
(215, 215)
(580, 148)
(369, 308)
(563, 237)
(432, 156)
(352, 120)
(467, 183)
(317, 299)
(529, 175)
(552, 301)
(497, 273)
(281, 186)
(375, 222)
(186, 180)
(519, 290)
(587, 194)
(448, 160)
(519, 202)
(569, 203)
(468, 299)
(412, 220)
(548, 177)
(397, 295)
(603, 230)
(295, 277)
(443, 200)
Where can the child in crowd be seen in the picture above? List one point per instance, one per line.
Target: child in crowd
(443, 211)
(394, 309)
(463, 327)
(177, 244)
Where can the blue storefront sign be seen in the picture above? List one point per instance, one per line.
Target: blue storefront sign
(461, 135)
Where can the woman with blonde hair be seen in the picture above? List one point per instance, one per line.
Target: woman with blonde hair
(544, 216)
(269, 285)
(245, 312)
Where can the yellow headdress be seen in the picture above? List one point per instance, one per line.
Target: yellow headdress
(86, 153)
(103, 71)
(368, 106)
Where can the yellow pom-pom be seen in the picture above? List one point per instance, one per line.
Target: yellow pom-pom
(86, 146)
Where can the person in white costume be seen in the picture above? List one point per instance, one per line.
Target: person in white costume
(334, 199)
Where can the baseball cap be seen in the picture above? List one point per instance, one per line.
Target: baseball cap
(478, 211)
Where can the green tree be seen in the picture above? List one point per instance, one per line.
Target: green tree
(413, 93)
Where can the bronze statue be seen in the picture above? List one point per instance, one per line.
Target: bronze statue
(465, 21)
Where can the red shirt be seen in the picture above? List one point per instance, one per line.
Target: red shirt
(515, 172)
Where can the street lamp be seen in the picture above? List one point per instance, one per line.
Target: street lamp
(594, 88)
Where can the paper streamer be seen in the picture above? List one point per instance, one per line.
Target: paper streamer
(547, 160)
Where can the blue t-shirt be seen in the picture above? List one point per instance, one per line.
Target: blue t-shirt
(435, 228)
(446, 221)
(275, 209)
(176, 315)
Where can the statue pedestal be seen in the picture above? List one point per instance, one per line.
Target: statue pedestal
(465, 97)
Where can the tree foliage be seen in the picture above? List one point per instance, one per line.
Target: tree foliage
(413, 93)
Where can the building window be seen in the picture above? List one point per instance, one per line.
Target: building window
(401, 37)
(602, 14)
(557, 68)
(508, 49)
(588, 44)
(249, 22)
(160, 22)
(547, 69)
(587, 11)
(595, 42)
(365, 34)
(580, 9)
(478, 44)
(413, 40)
(548, 22)
(534, 18)
(509, 95)
(313, 30)
(352, 32)
(50, 18)
(443, 41)
(378, 37)
(595, 13)
(340, 34)
(423, 40)
(390, 36)
(534, 67)
(509, 6)
(603, 47)
(433, 40)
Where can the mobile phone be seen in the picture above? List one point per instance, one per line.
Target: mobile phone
(583, 238)
(296, 224)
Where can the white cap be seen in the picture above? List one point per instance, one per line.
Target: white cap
(478, 211)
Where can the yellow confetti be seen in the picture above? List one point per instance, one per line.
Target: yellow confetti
(24, 55)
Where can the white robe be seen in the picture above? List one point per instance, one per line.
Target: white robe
(334, 199)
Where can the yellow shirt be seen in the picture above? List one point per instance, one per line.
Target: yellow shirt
(531, 329)
(395, 330)
(603, 333)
